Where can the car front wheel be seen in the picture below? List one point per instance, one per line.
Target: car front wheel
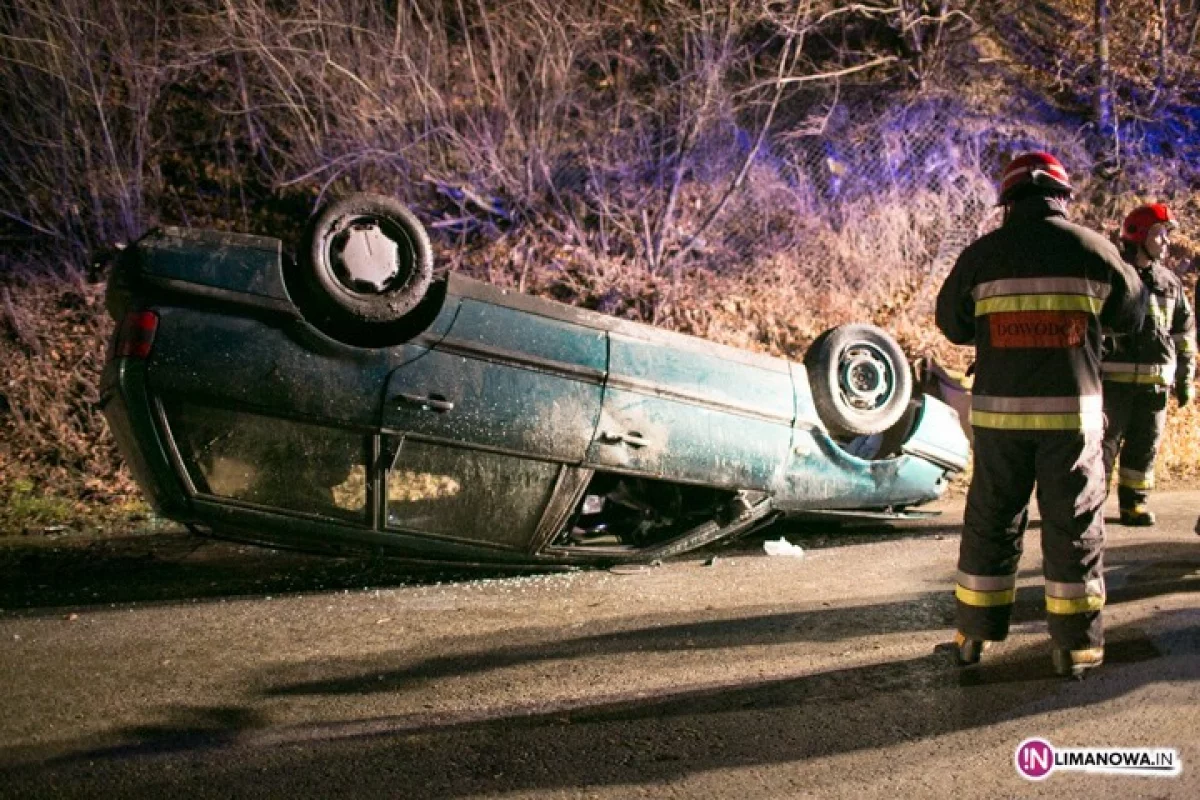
(860, 380)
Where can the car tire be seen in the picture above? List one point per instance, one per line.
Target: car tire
(860, 380)
(365, 264)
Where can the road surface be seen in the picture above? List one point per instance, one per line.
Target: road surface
(163, 665)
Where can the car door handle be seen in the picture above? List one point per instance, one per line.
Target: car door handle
(432, 402)
(632, 439)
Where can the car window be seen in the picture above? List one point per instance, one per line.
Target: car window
(468, 494)
(272, 462)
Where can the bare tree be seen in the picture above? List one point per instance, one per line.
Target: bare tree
(1164, 38)
(1187, 14)
(1102, 99)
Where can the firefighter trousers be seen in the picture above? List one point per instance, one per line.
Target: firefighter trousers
(1067, 469)
(1135, 417)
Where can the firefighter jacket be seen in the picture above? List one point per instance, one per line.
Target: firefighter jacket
(1033, 296)
(1162, 352)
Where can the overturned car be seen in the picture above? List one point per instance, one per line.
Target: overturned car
(351, 399)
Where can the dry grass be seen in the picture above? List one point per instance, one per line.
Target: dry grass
(58, 463)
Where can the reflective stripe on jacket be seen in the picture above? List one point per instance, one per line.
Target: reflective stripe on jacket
(1039, 413)
(1033, 296)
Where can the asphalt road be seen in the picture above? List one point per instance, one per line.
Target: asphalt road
(163, 665)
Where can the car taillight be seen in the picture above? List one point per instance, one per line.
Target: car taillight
(135, 336)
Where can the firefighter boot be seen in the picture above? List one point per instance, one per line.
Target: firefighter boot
(1076, 663)
(1137, 517)
(967, 651)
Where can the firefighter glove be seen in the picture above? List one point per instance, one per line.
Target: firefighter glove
(1184, 392)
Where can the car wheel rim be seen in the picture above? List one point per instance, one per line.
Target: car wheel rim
(865, 378)
(370, 256)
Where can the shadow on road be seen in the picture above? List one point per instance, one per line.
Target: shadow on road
(598, 739)
(1131, 579)
(636, 740)
(179, 567)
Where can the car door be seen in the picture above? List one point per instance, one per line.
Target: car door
(503, 378)
(682, 409)
(484, 426)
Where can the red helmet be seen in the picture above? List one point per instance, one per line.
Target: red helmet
(1034, 169)
(1138, 223)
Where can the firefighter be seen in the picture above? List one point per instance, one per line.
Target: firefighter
(1142, 367)
(1032, 296)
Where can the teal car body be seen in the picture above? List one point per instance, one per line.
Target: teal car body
(504, 428)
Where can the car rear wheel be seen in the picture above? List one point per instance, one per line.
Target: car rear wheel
(860, 380)
(365, 266)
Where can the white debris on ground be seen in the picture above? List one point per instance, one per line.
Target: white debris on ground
(782, 547)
